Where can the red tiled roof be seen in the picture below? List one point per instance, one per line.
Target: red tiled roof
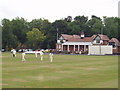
(86, 39)
(115, 40)
(93, 36)
(66, 36)
(76, 38)
(103, 37)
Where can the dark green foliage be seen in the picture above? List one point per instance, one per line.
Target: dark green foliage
(111, 27)
(9, 40)
(14, 31)
(20, 28)
(35, 37)
(95, 25)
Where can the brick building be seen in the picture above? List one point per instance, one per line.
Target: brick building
(81, 43)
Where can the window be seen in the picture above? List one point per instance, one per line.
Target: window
(112, 43)
(61, 38)
(97, 39)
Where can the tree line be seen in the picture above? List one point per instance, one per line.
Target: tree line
(41, 33)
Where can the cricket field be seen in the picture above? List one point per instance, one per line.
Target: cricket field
(66, 71)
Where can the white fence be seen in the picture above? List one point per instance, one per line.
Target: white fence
(100, 50)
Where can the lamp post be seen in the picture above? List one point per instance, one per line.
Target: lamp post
(57, 33)
(102, 34)
(57, 40)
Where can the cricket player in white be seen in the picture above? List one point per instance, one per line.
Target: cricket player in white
(14, 52)
(41, 55)
(36, 53)
(23, 56)
(51, 57)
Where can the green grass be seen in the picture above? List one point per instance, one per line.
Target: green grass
(66, 71)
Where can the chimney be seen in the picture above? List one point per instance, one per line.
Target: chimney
(82, 35)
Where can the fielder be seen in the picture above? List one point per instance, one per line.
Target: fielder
(41, 55)
(23, 56)
(14, 52)
(51, 57)
(36, 53)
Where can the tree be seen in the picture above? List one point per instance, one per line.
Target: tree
(20, 28)
(46, 27)
(43, 33)
(118, 29)
(62, 26)
(81, 19)
(111, 27)
(78, 25)
(68, 19)
(0, 37)
(95, 25)
(9, 40)
(35, 37)
(36, 23)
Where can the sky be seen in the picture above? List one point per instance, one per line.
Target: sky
(57, 9)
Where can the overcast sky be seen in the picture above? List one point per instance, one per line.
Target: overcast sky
(57, 9)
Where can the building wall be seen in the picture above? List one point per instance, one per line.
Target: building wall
(59, 47)
(77, 43)
(116, 50)
(105, 42)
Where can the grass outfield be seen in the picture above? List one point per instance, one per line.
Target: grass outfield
(66, 71)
